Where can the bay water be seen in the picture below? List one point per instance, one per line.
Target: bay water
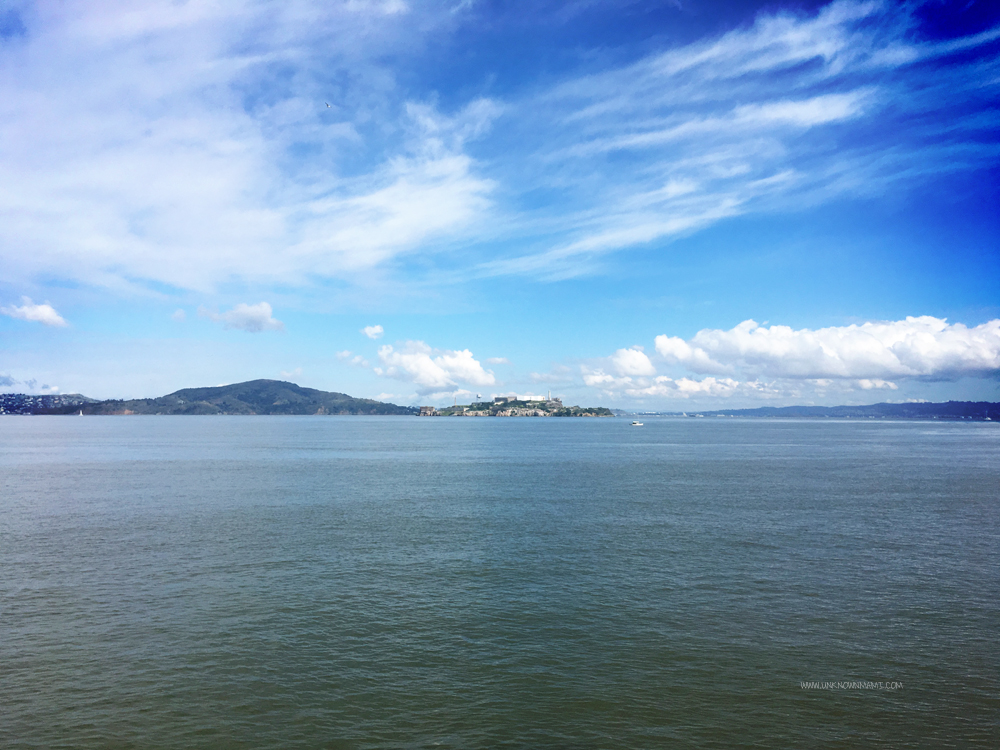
(395, 582)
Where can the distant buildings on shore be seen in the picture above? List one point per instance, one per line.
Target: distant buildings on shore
(494, 409)
(25, 403)
(552, 403)
(513, 406)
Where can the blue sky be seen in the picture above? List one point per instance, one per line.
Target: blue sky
(660, 205)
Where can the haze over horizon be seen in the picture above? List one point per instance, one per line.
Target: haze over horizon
(652, 205)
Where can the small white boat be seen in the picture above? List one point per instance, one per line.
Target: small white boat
(637, 424)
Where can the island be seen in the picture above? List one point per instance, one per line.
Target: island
(512, 406)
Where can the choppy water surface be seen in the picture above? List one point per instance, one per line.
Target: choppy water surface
(354, 582)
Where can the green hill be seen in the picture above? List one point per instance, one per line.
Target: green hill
(252, 397)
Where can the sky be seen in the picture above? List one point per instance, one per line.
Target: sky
(661, 206)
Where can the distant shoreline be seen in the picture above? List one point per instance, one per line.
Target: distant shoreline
(280, 398)
(983, 411)
(274, 398)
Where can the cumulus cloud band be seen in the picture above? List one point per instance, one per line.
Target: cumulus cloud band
(918, 347)
(759, 361)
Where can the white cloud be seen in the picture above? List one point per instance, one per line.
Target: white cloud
(873, 353)
(179, 315)
(627, 367)
(675, 349)
(244, 317)
(291, 373)
(640, 384)
(28, 310)
(869, 384)
(373, 332)
(751, 362)
(632, 362)
(687, 388)
(497, 361)
(804, 113)
(432, 369)
(602, 379)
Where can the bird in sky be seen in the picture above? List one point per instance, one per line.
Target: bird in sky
(327, 104)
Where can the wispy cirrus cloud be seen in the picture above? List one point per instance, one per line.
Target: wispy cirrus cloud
(184, 152)
(786, 113)
(193, 145)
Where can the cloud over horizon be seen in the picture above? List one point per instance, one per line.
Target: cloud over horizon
(770, 362)
(432, 370)
(922, 347)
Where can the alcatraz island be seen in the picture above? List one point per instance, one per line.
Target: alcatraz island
(512, 406)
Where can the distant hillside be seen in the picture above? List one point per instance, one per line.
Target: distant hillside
(23, 403)
(981, 410)
(253, 397)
